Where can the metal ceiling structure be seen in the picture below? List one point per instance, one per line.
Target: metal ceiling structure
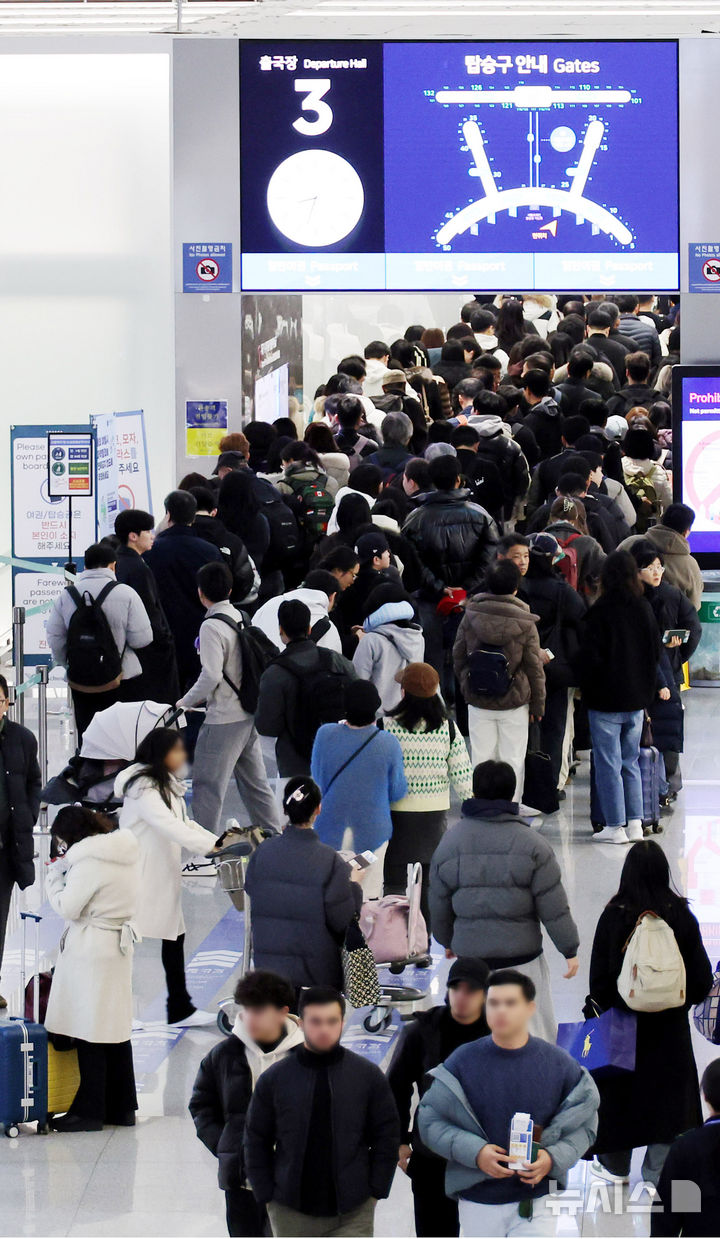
(382, 19)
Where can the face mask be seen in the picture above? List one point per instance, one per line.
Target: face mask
(183, 772)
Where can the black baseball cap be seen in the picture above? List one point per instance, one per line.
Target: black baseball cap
(229, 460)
(471, 969)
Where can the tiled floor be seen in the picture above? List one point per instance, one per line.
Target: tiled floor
(158, 1180)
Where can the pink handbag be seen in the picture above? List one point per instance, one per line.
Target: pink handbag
(394, 926)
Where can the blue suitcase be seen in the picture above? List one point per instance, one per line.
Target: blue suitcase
(652, 772)
(24, 1064)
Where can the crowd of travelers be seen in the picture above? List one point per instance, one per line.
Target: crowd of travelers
(460, 570)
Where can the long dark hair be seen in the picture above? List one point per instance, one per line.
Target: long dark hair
(646, 881)
(151, 754)
(510, 326)
(619, 576)
(237, 504)
(412, 711)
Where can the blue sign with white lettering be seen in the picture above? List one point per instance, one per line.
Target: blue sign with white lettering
(207, 267)
(704, 266)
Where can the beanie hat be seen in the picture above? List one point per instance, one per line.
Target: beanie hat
(362, 702)
(439, 449)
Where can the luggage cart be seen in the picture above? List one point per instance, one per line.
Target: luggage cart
(231, 875)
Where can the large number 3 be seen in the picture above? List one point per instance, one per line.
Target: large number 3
(314, 90)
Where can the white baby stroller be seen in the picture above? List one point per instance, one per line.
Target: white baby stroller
(108, 746)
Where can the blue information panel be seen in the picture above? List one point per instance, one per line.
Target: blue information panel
(696, 454)
(459, 165)
(207, 267)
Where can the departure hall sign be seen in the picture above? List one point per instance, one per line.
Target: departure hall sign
(459, 165)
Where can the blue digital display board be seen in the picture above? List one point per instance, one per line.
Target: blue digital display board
(459, 165)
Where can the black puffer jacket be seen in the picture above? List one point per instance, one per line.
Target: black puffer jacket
(302, 902)
(454, 538)
(365, 1130)
(22, 781)
(221, 1097)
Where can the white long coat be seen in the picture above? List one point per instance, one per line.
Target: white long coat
(162, 833)
(94, 887)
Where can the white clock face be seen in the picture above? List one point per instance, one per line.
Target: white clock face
(315, 198)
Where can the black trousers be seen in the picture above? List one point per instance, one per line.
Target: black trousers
(107, 1081)
(245, 1217)
(7, 881)
(435, 1213)
(552, 728)
(87, 705)
(179, 1002)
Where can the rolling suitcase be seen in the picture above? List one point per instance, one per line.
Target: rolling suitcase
(652, 770)
(24, 1061)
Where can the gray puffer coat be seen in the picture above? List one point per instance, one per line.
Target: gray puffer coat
(494, 883)
(504, 621)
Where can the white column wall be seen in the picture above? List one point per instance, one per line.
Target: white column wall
(699, 192)
(86, 309)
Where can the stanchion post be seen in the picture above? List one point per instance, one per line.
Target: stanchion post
(18, 635)
(43, 738)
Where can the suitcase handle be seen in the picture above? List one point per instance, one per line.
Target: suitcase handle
(25, 917)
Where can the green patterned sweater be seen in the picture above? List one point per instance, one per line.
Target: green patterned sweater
(432, 763)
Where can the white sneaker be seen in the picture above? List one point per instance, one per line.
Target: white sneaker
(196, 1019)
(634, 830)
(611, 834)
(599, 1170)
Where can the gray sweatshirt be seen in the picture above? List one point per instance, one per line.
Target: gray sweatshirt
(219, 652)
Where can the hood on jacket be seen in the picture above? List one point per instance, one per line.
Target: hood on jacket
(486, 339)
(638, 468)
(500, 617)
(490, 808)
(120, 847)
(298, 471)
(389, 613)
(292, 1036)
(386, 523)
(487, 427)
(125, 775)
(547, 405)
(668, 540)
(408, 640)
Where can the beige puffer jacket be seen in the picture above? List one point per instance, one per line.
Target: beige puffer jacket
(507, 622)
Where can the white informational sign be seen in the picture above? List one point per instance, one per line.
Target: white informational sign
(33, 589)
(123, 476)
(70, 464)
(271, 395)
(40, 522)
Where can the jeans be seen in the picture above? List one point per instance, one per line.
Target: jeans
(616, 753)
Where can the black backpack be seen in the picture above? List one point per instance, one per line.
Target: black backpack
(489, 672)
(321, 690)
(256, 653)
(94, 662)
(285, 538)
